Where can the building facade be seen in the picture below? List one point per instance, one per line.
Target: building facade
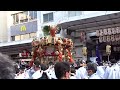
(3, 27)
(23, 26)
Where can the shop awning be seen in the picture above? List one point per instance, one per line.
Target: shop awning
(93, 23)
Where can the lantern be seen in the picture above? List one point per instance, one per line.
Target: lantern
(114, 31)
(109, 31)
(108, 49)
(100, 39)
(97, 33)
(101, 32)
(105, 32)
(117, 30)
(84, 51)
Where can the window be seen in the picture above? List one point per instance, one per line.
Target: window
(25, 36)
(32, 35)
(48, 17)
(24, 16)
(32, 15)
(22, 37)
(17, 38)
(74, 13)
(15, 18)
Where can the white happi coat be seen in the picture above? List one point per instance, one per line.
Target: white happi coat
(37, 74)
(81, 73)
(95, 76)
(22, 76)
(73, 76)
(27, 74)
(112, 72)
(50, 73)
(100, 71)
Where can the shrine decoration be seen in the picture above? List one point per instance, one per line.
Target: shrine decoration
(51, 47)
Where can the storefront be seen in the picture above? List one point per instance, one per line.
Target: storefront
(21, 38)
(85, 29)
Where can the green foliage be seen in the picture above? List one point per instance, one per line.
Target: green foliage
(46, 30)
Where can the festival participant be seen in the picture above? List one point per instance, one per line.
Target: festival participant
(73, 73)
(38, 71)
(81, 73)
(112, 72)
(100, 70)
(77, 66)
(31, 71)
(21, 74)
(51, 72)
(44, 69)
(91, 69)
(62, 70)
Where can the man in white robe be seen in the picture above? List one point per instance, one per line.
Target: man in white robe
(100, 71)
(22, 75)
(50, 73)
(112, 72)
(73, 76)
(38, 72)
(91, 69)
(73, 73)
(81, 73)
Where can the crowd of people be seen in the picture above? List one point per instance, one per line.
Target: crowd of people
(60, 70)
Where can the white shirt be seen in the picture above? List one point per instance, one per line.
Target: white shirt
(81, 73)
(37, 74)
(94, 76)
